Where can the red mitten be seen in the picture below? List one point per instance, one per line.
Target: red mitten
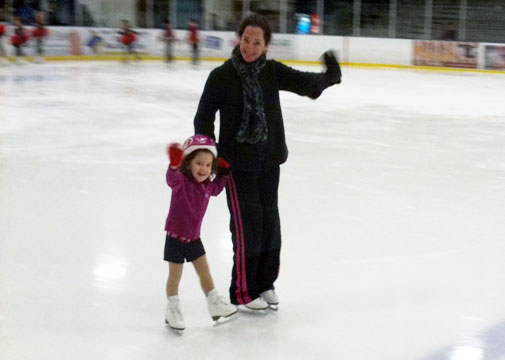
(223, 163)
(175, 155)
(224, 167)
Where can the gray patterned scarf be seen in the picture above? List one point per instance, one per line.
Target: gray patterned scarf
(253, 128)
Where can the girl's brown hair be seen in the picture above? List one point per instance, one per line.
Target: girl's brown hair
(185, 167)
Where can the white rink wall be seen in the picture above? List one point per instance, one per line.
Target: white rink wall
(65, 41)
(378, 51)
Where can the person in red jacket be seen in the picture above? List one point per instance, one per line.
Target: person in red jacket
(3, 30)
(39, 33)
(19, 38)
(194, 39)
(128, 39)
(168, 37)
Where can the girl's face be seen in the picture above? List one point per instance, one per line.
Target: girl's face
(252, 43)
(40, 18)
(201, 166)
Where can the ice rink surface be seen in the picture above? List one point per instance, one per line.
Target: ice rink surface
(392, 208)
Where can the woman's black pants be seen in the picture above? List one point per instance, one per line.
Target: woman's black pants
(256, 233)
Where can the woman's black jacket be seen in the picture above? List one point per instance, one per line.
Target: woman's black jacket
(223, 92)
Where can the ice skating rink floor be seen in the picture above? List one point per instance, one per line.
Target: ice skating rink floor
(392, 207)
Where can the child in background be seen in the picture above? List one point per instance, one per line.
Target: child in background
(96, 43)
(39, 33)
(3, 30)
(128, 38)
(168, 37)
(194, 39)
(189, 175)
(19, 38)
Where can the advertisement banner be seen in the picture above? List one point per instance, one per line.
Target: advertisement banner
(63, 41)
(495, 57)
(111, 40)
(281, 47)
(212, 45)
(59, 41)
(445, 54)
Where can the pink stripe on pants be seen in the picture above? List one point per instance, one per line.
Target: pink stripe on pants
(242, 292)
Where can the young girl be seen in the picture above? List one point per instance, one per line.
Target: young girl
(168, 37)
(189, 177)
(128, 39)
(96, 43)
(3, 30)
(194, 39)
(39, 33)
(19, 38)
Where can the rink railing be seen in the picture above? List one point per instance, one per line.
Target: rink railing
(72, 43)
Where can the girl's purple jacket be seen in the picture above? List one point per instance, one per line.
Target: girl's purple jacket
(189, 203)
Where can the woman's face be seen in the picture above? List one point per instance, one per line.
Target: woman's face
(252, 43)
(201, 166)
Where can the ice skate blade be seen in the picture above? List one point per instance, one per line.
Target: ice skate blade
(221, 320)
(246, 310)
(217, 317)
(174, 329)
(274, 307)
(256, 309)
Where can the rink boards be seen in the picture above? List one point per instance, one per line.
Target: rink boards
(71, 43)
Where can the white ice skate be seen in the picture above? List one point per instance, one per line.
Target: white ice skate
(271, 299)
(220, 309)
(173, 314)
(257, 304)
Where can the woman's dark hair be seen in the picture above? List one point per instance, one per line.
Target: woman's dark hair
(256, 20)
(185, 167)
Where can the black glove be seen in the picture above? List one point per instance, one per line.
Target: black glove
(330, 77)
(333, 73)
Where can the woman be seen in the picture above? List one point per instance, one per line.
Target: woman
(245, 90)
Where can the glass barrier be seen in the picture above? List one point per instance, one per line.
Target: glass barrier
(459, 20)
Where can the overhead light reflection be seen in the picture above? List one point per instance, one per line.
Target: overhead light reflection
(472, 350)
(109, 270)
